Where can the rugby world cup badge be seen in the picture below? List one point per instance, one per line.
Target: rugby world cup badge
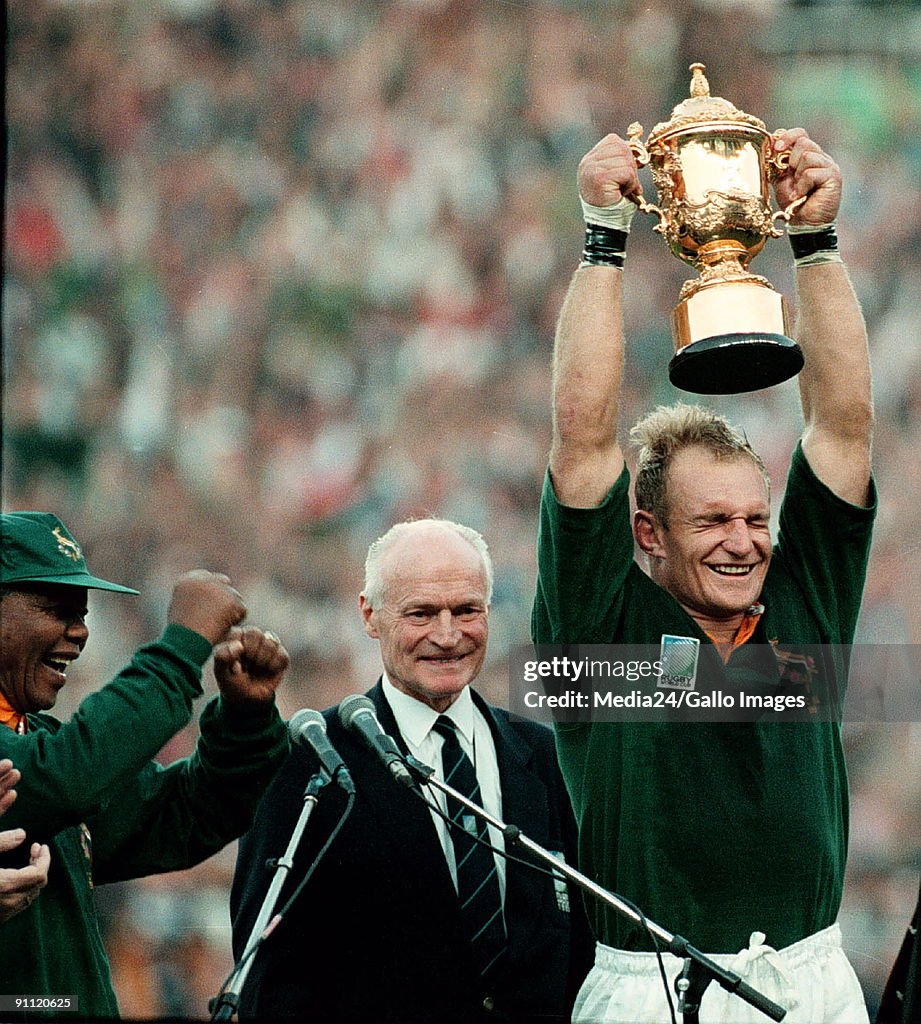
(678, 658)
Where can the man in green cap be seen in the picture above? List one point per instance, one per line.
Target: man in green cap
(88, 786)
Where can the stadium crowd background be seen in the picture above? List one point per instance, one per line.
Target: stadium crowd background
(278, 274)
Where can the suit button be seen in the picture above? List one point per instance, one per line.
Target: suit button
(489, 1003)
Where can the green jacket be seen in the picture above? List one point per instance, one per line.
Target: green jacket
(90, 790)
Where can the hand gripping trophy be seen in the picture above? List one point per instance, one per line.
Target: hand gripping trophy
(712, 165)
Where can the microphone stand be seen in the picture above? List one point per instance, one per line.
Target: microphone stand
(699, 969)
(225, 1005)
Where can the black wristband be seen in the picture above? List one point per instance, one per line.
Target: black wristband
(604, 247)
(808, 243)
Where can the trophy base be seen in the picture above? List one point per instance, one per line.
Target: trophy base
(731, 336)
(728, 364)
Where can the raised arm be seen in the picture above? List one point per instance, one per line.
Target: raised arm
(585, 458)
(169, 819)
(69, 771)
(835, 382)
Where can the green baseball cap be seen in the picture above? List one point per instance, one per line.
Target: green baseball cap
(38, 548)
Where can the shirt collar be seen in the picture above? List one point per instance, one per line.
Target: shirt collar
(744, 633)
(415, 719)
(10, 717)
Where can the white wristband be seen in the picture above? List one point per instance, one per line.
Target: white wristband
(617, 216)
(810, 229)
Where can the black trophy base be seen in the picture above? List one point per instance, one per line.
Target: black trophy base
(728, 364)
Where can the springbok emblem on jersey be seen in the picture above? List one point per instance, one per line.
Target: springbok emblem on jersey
(67, 546)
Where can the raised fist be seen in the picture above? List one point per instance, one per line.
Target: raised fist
(249, 665)
(811, 173)
(608, 173)
(206, 603)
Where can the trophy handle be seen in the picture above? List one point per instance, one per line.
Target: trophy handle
(777, 162)
(645, 207)
(785, 215)
(641, 154)
(633, 141)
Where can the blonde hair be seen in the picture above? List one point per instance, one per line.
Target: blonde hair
(667, 430)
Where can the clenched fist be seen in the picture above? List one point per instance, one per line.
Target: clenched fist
(608, 173)
(249, 665)
(206, 603)
(811, 173)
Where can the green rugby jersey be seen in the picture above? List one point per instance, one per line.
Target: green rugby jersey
(715, 829)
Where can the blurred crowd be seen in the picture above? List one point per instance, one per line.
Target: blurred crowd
(279, 274)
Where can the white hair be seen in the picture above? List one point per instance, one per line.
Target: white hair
(374, 580)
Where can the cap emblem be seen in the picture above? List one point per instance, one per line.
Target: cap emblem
(67, 546)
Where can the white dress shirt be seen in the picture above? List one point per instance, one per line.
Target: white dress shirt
(415, 720)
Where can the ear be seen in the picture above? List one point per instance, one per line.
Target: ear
(366, 613)
(648, 533)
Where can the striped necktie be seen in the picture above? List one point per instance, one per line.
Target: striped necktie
(477, 879)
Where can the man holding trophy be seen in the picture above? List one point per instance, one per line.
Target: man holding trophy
(733, 835)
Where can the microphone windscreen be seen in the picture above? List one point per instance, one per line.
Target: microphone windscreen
(353, 705)
(302, 720)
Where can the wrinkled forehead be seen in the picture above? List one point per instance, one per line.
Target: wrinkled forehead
(699, 478)
(432, 559)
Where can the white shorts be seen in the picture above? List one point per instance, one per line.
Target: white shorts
(811, 979)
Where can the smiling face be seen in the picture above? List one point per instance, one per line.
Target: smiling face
(42, 630)
(432, 621)
(714, 554)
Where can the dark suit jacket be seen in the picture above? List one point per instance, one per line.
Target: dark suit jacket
(376, 936)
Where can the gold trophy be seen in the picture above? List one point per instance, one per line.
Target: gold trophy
(712, 165)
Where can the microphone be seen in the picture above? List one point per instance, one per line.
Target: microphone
(358, 715)
(309, 727)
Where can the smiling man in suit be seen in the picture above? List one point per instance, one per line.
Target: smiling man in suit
(406, 920)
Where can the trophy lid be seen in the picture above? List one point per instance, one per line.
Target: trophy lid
(702, 108)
